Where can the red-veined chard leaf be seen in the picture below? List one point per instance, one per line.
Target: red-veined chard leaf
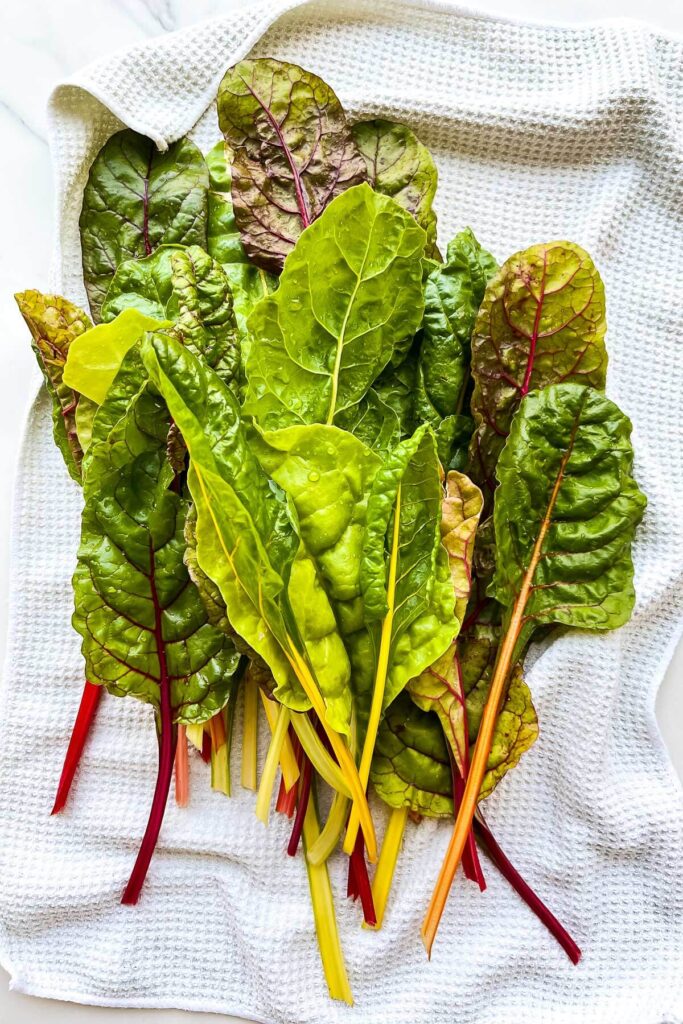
(542, 321)
(400, 166)
(565, 514)
(350, 291)
(292, 152)
(54, 324)
(136, 199)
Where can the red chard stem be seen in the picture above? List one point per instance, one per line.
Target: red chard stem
(79, 734)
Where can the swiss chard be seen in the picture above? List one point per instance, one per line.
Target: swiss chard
(292, 153)
(565, 514)
(349, 293)
(136, 199)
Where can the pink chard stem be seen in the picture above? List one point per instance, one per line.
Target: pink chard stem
(90, 700)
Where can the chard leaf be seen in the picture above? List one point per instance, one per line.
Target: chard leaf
(350, 291)
(248, 284)
(411, 766)
(400, 166)
(405, 581)
(185, 285)
(439, 687)
(95, 357)
(453, 294)
(135, 200)
(327, 473)
(373, 422)
(144, 629)
(292, 153)
(246, 541)
(222, 234)
(55, 323)
(142, 284)
(565, 514)
(542, 321)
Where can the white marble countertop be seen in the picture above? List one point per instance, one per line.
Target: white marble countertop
(41, 42)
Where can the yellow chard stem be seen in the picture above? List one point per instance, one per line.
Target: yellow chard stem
(315, 751)
(220, 760)
(384, 875)
(380, 676)
(332, 829)
(288, 765)
(265, 791)
(340, 750)
(322, 902)
(250, 734)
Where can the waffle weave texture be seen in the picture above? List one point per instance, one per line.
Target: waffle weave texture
(539, 133)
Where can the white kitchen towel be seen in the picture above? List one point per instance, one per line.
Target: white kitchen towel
(539, 133)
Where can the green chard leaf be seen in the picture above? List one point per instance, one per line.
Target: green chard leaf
(246, 541)
(145, 632)
(350, 291)
(55, 323)
(188, 290)
(372, 421)
(223, 239)
(292, 152)
(542, 321)
(411, 765)
(565, 514)
(400, 166)
(136, 199)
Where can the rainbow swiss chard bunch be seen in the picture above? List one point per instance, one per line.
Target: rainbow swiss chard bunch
(331, 473)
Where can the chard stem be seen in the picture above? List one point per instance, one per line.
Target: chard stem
(331, 831)
(341, 751)
(384, 875)
(250, 734)
(265, 790)
(195, 736)
(90, 700)
(380, 676)
(301, 807)
(324, 916)
(288, 759)
(182, 769)
(315, 750)
(220, 754)
(523, 889)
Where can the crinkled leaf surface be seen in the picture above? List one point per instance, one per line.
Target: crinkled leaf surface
(350, 290)
(542, 321)
(182, 284)
(95, 357)
(420, 604)
(411, 766)
(565, 514)
(249, 284)
(135, 200)
(143, 284)
(143, 624)
(400, 166)
(439, 687)
(55, 323)
(327, 473)
(222, 234)
(453, 294)
(372, 421)
(246, 542)
(292, 150)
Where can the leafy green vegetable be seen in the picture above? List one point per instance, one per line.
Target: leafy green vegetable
(135, 200)
(351, 289)
(408, 595)
(222, 234)
(142, 284)
(95, 357)
(372, 421)
(542, 321)
(400, 166)
(143, 625)
(55, 323)
(411, 766)
(292, 153)
(565, 514)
